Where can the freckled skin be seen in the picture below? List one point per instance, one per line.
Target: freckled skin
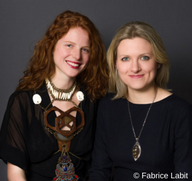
(71, 53)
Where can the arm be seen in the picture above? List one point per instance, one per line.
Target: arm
(14, 173)
(101, 163)
(12, 136)
(183, 143)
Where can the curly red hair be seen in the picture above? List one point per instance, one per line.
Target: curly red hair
(41, 66)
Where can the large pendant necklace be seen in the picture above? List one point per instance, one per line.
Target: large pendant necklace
(59, 94)
(65, 170)
(136, 150)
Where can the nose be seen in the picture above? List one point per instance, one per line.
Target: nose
(135, 67)
(76, 53)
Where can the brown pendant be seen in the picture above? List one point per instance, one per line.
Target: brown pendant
(136, 150)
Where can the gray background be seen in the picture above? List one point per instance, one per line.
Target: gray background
(24, 22)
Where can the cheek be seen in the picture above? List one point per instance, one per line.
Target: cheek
(154, 69)
(56, 53)
(122, 68)
(61, 52)
(85, 59)
(149, 67)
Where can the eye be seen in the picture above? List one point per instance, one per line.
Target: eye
(85, 50)
(145, 58)
(125, 59)
(69, 45)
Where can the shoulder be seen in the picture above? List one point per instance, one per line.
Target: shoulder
(26, 96)
(17, 106)
(108, 99)
(108, 103)
(17, 95)
(171, 99)
(174, 105)
(183, 107)
(19, 98)
(177, 102)
(181, 116)
(177, 109)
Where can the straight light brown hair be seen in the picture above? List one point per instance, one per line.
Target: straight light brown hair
(129, 31)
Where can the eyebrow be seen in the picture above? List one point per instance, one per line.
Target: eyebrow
(146, 54)
(75, 43)
(123, 55)
(68, 42)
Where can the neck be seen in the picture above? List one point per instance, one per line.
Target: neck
(142, 97)
(62, 83)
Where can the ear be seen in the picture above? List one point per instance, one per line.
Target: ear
(158, 65)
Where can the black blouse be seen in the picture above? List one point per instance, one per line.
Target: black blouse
(25, 142)
(166, 140)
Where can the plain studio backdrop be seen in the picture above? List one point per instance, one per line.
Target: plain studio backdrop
(24, 22)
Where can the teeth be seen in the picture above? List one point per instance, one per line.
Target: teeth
(73, 64)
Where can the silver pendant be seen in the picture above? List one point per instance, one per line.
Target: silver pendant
(136, 150)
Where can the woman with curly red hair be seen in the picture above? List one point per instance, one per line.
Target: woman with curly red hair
(48, 128)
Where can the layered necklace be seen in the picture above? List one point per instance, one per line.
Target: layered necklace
(59, 94)
(65, 169)
(136, 150)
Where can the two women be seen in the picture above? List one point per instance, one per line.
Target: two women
(49, 125)
(141, 127)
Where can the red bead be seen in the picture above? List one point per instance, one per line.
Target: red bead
(76, 176)
(55, 178)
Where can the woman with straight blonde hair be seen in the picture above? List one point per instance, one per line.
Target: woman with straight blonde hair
(143, 130)
(130, 31)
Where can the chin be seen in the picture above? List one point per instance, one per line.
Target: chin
(73, 74)
(137, 88)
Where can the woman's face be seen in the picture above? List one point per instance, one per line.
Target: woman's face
(136, 64)
(71, 53)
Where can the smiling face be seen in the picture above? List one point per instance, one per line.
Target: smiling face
(136, 64)
(71, 53)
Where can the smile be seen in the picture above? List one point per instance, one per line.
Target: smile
(136, 76)
(74, 65)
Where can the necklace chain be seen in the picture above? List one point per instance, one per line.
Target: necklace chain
(136, 150)
(137, 138)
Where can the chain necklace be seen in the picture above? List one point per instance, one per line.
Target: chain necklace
(60, 94)
(136, 150)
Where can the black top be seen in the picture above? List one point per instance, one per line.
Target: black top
(166, 140)
(25, 142)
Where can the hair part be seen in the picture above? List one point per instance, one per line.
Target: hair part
(129, 31)
(94, 77)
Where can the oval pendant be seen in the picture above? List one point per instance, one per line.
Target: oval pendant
(136, 150)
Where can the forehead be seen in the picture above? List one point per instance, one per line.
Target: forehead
(134, 45)
(76, 34)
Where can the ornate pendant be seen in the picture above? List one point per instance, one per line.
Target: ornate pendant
(65, 169)
(136, 150)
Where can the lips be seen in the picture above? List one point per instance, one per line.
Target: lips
(136, 76)
(72, 64)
